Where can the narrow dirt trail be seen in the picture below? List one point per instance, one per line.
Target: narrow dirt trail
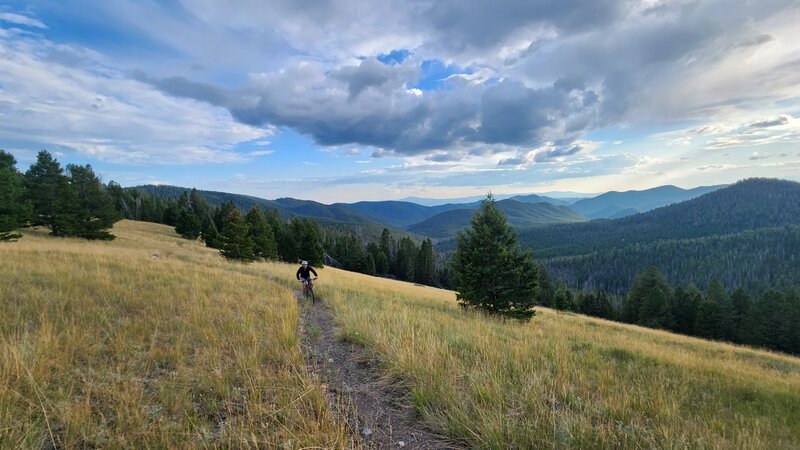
(376, 414)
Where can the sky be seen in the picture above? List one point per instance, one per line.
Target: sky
(353, 100)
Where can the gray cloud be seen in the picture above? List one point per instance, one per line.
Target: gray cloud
(369, 104)
(783, 119)
(564, 67)
(550, 155)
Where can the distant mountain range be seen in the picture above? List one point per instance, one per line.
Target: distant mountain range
(519, 214)
(442, 220)
(613, 205)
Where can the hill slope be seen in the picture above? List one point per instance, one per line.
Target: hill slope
(150, 341)
(623, 247)
(519, 214)
(288, 206)
(400, 214)
(183, 349)
(571, 381)
(619, 204)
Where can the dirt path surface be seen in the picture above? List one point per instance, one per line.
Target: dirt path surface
(378, 415)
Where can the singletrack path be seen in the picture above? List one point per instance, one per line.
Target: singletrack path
(376, 413)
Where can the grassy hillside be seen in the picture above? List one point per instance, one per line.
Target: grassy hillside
(565, 381)
(105, 345)
(519, 214)
(150, 341)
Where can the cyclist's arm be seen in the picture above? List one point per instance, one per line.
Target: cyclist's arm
(313, 271)
(298, 274)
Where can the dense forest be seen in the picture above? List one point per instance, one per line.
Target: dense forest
(745, 235)
(754, 260)
(769, 320)
(746, 205)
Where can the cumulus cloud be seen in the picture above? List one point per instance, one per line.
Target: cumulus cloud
(539, 75)
(368, 104)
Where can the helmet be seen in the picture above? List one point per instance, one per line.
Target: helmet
(304, 262)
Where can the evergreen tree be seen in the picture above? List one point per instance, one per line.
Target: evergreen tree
(716, 294)
(547, 291)
(563, 299)
(261, 234)
(424, 270)
(648, 301)
(14, 211)
(370, 266)
(309, 246)
(741, 308)
(199, 205)
(50, 195)
(236, 243)
(188, 225)
(490, 271)
(222, 214)
(656, 311)
(708, 324)
(379, 258)
(596, 304)
(406, 259)
(387, 246)
(684, 309)
(210, 234)
(94, 212)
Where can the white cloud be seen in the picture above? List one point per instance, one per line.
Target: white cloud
(100, 112)
(261, 152)
(19, 19)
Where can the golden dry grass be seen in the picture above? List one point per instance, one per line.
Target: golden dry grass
(563, 380)
(104, 345)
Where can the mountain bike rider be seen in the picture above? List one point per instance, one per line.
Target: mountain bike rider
(304, 275)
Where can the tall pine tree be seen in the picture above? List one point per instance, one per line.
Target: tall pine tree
(236, 242)
(50, 195)
(189, 225)
(94, 212)
(261, 234)
(490, 271)
(424, 272)
(14, 211)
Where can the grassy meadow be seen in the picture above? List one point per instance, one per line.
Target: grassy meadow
(150, 341)
(564, 380)
(106, 345)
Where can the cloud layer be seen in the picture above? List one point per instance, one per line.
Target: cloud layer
(549, 72)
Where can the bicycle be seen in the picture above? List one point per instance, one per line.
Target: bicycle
(308, 290)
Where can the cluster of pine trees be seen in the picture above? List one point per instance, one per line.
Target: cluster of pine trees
(391, 257)
(265, 234)
(72, 203)
(768, 321)
(250, 236)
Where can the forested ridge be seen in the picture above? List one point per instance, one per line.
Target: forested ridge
(745, 235)
(754, 259)
(746, 205)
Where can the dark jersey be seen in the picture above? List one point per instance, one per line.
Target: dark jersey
(305, 272)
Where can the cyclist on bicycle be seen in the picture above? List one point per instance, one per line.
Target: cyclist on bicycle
(304, 275)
